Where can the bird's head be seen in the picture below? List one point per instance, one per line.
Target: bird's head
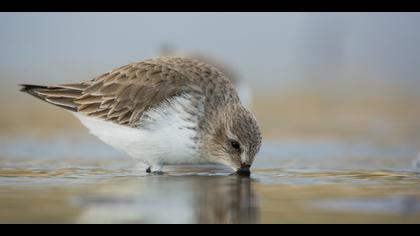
(233, 138)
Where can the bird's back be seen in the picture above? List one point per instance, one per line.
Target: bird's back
(124, 94)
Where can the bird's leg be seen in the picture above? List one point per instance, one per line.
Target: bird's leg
(155, 169)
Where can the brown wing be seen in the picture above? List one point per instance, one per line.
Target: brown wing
(120, 96)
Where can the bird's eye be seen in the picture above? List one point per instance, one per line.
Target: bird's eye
(235, 145)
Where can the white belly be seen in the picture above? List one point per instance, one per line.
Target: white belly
(164, 140)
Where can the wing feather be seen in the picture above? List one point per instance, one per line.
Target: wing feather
(124, 94)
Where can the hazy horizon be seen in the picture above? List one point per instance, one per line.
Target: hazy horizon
(269, 50)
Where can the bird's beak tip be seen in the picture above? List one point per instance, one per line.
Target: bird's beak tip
(244, 171)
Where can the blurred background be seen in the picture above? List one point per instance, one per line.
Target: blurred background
(310, 73)
(332, 92)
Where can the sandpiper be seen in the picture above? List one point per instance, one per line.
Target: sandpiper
(163, 111)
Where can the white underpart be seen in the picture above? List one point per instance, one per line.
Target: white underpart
(162, 138)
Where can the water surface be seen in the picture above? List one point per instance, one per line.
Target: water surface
(80, 180)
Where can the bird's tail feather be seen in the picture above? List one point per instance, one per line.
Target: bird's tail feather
(59, 95)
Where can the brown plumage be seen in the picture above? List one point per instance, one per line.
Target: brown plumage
(125, 95)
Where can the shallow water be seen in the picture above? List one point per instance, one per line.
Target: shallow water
(77, 179)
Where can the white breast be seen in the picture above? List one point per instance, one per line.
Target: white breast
(165, 137)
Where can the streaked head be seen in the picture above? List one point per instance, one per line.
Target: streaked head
(234, 139)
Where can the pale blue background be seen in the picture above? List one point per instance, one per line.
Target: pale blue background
(266, 49)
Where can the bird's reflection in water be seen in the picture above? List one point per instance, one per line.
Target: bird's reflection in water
(226, 201)
(172, 199)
